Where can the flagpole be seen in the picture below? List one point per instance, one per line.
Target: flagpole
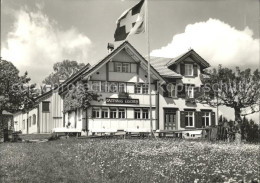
(149, 66)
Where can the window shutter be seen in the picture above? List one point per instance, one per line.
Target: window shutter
(181, 89)
(195, 70)
(165, 91)
(197, 92)
(213, 119)
(198, 120)
(182, 69)
(182, 119)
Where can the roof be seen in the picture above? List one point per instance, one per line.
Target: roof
(114, 52)
(160, 64)
(191, 53)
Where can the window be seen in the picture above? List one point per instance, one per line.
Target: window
(205, 118)
(34, 119)
(121, 113)
(122, 67)
(125, 67)
(96, 86)
(45, 106)
(118, 67)
(189, 119)
(122, 87)
(95, 113)
(103, 86)
(189, 69)
(137, 113)
(104, 113)
(137, 88)
(145, 88)
(173, 91)
(113, 113)
(30, 121)
(190, 91)
(113, 87)
(145, 114)
(23, 124)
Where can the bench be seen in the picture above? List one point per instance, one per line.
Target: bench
(103, 131)
(66, 131)
(164, 133)
(142, 132)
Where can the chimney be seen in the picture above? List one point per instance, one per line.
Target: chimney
(110, 47)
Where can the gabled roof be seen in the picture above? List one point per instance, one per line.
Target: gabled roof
(191, 53)
(130, 49)
(160, 64)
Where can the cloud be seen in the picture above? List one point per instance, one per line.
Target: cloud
(36, 43)
(217, 42)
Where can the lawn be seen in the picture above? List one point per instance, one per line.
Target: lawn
(129, 160)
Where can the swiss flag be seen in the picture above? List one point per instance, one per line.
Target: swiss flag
(130, 22)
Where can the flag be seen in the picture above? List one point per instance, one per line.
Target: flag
(130, 22)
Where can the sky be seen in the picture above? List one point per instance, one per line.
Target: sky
(35, 34)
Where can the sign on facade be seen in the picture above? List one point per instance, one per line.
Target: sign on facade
(121, 101)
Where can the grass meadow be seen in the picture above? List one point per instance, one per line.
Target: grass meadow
(128, 160)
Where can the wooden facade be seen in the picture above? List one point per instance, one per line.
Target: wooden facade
(46, 115)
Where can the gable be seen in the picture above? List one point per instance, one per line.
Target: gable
(188, 59)
(123, 56)
(124, 53)
(190, 56)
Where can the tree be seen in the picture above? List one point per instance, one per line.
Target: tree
(15, 92)
(79, 97)
(62, 71)
(239, 90)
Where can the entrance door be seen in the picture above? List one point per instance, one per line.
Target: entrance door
(170, 119)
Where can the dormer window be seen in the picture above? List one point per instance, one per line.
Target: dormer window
(188, 69)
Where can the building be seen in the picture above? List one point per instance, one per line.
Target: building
(47, 112)
(122, 80)
(43, 117)
(177, 107)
